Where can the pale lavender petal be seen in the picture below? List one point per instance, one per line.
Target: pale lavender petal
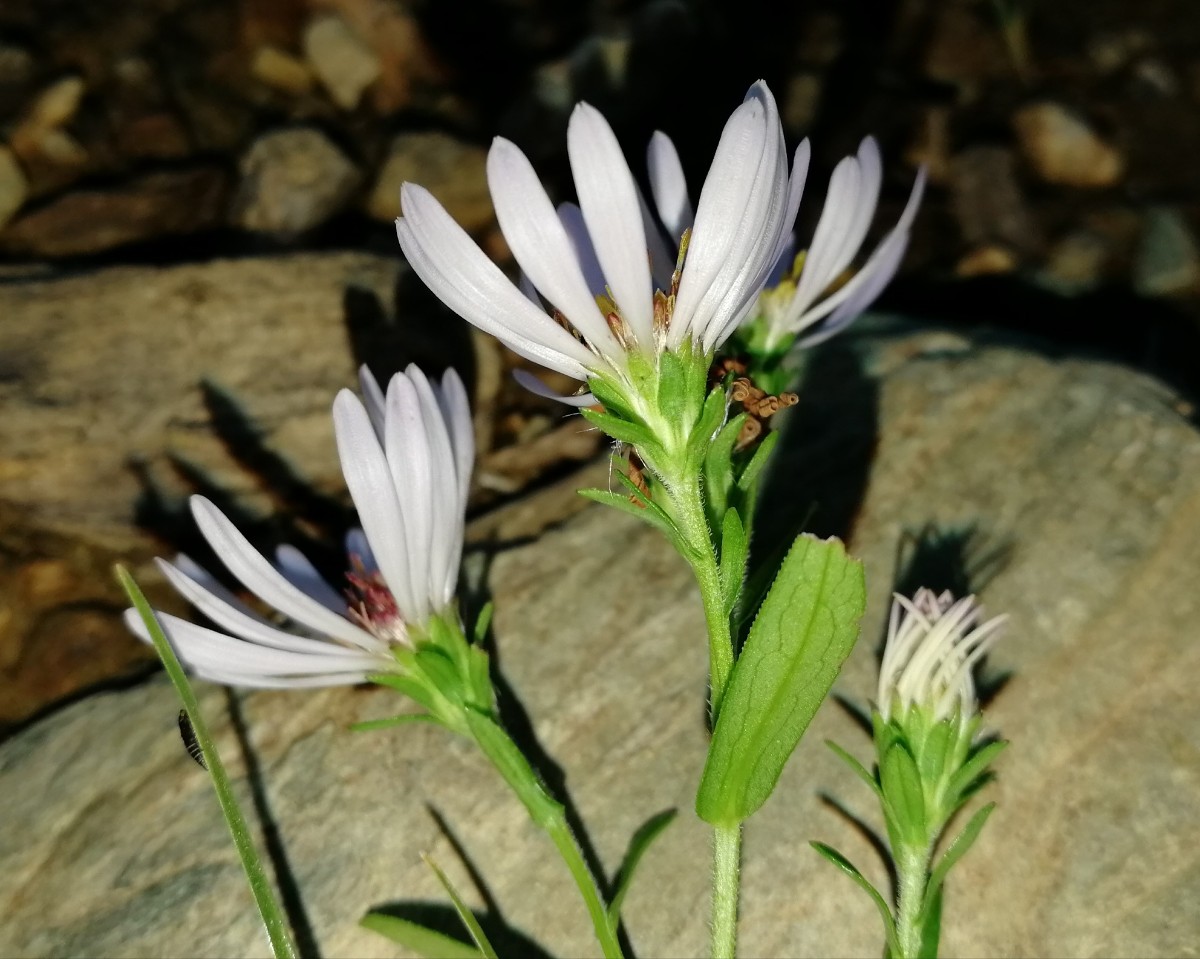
(571, 218)
(369, 480)
(722, 207)
(356, 546)
(297, 570)
(541, 246)
(463, 278)
(608, 198)
(372, 398)
(538, 388)
(668, 186)
(251, 628)
(262, 579)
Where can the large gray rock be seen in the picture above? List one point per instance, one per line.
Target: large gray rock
(111, 844)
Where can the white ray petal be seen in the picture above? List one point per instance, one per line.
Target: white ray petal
(206, 649)
(571, 218)
(722, 206)
(540, 245)
(538, 388)
(372, 398)
(885, 255)
(254, 681)
(608, 198)
(252, 628)
(456, 408)
(369, 480)
(668, 186)
(261, 578)
(463, 278)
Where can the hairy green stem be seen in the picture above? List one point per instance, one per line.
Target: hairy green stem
(688, 500)
(550, 816)
(912, 868)
(727, 863)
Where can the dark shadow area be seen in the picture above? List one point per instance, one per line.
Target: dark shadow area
(818, 474)
(864, 829)
(507, 940)
(289, 890)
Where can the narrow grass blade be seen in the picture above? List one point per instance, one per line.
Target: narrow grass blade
(260, 886)
(465, 914)
(419, 939)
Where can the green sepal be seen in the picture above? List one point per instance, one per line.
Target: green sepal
(673, 397)
(735, 548)
(904, 798)
(639, 843)
(804, 631)
(514, 767)
(407, 686)
(465, 914)
(648, 512)
(933, 754)
(885, 913)
(407, 719)
(419, 939)
(479, 678)
(955, 851)
(619, 429)
(859, 769)
(611, 398)
(483, 623)
(964, 782)
(442, 673)
(718, 468)
(712, 415)
(748, 478)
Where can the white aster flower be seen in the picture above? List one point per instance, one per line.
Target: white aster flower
(806, 293)
(933, 644)
(407, 460)
(598, 265)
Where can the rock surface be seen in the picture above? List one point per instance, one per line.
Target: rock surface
(1063, 149)
(1081, 473)
(452, 171)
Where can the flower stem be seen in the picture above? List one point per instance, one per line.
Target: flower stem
(550, 816)
(727, 855)
(912, 867)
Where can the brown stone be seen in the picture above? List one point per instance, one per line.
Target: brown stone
(152, 206)
(1062, 148)
(451, 170)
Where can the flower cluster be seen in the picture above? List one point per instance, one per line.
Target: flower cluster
(933, 645)
(407, 459)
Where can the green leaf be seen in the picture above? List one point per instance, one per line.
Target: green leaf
(648, 512)
(641, 841)
(846, 866)
(803, 633)
(610, 397)
(465, 914)
(955, 851)
(673, 398)
(750, 474)
(260, 886)
(623, 430)
(859, 769)
(903, 794)
(408, 719)
(419, 939)
(934, 752)
(734, 552)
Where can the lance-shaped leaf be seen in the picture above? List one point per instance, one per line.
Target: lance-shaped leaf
(803, 633)
(419, 939)
(650, 830)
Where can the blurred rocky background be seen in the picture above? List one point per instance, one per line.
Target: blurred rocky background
(197, 251)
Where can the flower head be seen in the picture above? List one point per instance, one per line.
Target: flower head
(407, 459)
(933, 644)
(805, 294)
(614, 280)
